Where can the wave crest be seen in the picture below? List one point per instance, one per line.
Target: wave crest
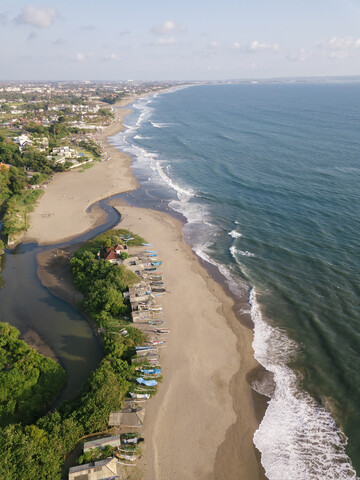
(244, 253)
(235, 234)
(297, 438)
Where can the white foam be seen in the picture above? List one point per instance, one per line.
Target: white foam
(183, 193)
(297, 438)
(244, 253)
(235, 234)
(161, 125)
(238, 287)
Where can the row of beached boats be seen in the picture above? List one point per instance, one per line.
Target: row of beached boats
(147, 314)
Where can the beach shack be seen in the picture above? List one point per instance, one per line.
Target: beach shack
(135, 264)
(141, 316)
(131, 417)
(109, 468)
(139, 292)
(112, 256)
(102, 443)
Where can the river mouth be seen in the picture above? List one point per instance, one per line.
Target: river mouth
(51, 325)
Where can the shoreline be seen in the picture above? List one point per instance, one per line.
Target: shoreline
(74, 192)
(235, 453)
(235, 456)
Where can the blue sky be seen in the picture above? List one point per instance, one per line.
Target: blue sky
(164, 40)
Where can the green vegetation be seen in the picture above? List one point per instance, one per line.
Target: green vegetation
(91, 148)
(101, 282)
(15, 201)
(96, 454)
(112, 99)
(100, 243)
(9, 151)
(105, 112)
(18, 207)
(29, 382)
(85, 167)
(38, 451)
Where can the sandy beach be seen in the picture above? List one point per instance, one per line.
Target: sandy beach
(61, 212)
(201, 423)
(194, 410)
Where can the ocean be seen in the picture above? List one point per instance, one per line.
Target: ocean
(267, 177)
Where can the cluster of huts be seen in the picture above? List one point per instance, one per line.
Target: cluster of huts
(147, 314)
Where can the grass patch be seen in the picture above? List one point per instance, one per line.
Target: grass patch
(86, 167)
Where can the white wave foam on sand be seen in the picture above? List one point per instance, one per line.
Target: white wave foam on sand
(297, 438)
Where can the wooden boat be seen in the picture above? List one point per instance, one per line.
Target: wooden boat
(140, 395)
(157, 342)
(161, 330)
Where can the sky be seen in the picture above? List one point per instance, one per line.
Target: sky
(187, 40)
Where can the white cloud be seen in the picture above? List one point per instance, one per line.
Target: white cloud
(165, 41)
(168, 27)
(236, 45)
(111, 56)
(298, 55)
(37, 16)
(81, 57)
(257, 46)
(339, 47)
(214, 44)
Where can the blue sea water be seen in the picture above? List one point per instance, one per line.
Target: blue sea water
(267, 176)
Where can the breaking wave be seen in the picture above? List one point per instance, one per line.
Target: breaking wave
(235, 234)
(234, 251)
(182, 193)
(297, 438)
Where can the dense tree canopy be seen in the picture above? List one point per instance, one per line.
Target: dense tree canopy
(37, 451)
(29, 382)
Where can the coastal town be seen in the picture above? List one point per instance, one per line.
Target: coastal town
(52, 127)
